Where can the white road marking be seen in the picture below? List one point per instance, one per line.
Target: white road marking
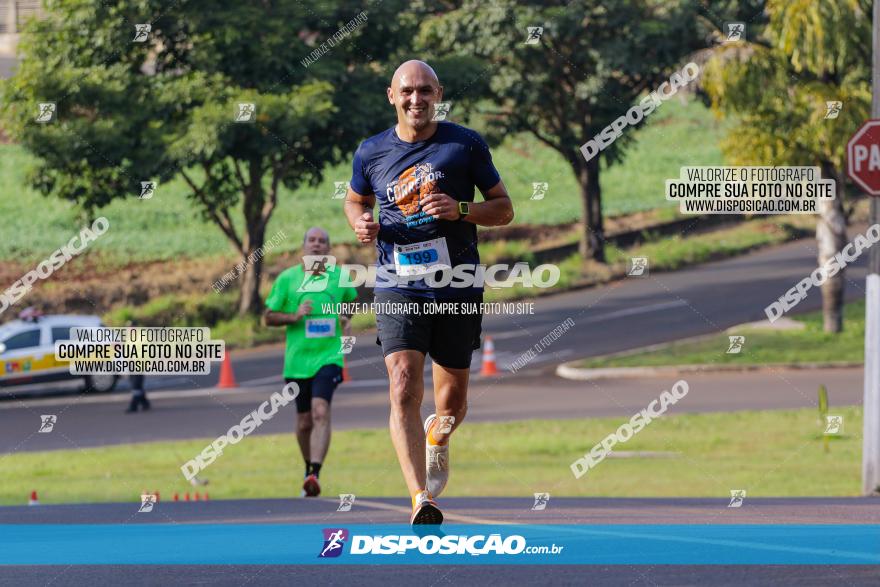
(601, 318)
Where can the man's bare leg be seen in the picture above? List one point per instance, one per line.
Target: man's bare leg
(320, 438)
(406, 372)
(304, 426)
(450, 396)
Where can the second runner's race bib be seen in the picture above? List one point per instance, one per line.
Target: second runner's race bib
(320, 327)
(421, 258)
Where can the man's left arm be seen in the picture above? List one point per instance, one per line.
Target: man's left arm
(497, 210)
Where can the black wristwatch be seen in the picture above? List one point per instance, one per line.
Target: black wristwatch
(463, 209)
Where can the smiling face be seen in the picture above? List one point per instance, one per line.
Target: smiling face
(414, 91)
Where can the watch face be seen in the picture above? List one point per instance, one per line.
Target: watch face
(463, 208)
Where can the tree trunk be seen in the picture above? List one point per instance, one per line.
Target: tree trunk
(831, 238)
(249, 301)
(592, 242)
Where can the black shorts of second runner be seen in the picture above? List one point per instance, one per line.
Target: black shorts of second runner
(322, 385)
(450, 339)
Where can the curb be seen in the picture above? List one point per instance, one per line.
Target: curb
(567, 371)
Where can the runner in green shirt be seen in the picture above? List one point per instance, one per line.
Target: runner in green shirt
(314, 353)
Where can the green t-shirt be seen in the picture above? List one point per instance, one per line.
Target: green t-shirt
(314, 340)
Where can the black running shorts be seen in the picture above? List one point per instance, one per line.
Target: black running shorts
(450, 338)
(322, 385)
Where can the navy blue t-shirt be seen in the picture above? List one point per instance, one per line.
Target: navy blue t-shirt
(453, 161)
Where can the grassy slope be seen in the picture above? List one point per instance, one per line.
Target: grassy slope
(152, 229)
(790, 346)
(770, 453)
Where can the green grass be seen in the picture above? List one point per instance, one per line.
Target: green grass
(809, 345)
(768, 453)
(152, 229)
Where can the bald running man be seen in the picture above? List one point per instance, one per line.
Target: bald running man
(313, 355)
(423, 174)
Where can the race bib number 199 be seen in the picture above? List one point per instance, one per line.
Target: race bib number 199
(421, 258)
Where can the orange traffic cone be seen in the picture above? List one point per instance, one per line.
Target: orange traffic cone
(345, 375)
(186, 496)
(206, 497)
(33, 500)
(227, 379)
(489, 366)
(176, 497)
(156, 493)
(197, 497)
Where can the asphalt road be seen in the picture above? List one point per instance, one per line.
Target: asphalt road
(623, 315)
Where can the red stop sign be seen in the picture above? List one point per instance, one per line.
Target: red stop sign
(863, 157)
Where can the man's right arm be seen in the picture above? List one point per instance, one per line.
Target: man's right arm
(359, 212)
(271, 318)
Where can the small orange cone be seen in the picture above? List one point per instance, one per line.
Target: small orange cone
(489, 366)
(186, 496)
(206, 496)
(176, 497)
(345, 375)
(156, 493)
(33, 500)
(227, 379)
(197, 498)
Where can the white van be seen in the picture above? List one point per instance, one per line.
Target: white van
(27, 352)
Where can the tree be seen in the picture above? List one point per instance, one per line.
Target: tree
(776, 87)
(592, 62)
(133, 111)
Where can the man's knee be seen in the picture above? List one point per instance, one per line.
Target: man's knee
(304, 422)
(320, 413)
(405, 382)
